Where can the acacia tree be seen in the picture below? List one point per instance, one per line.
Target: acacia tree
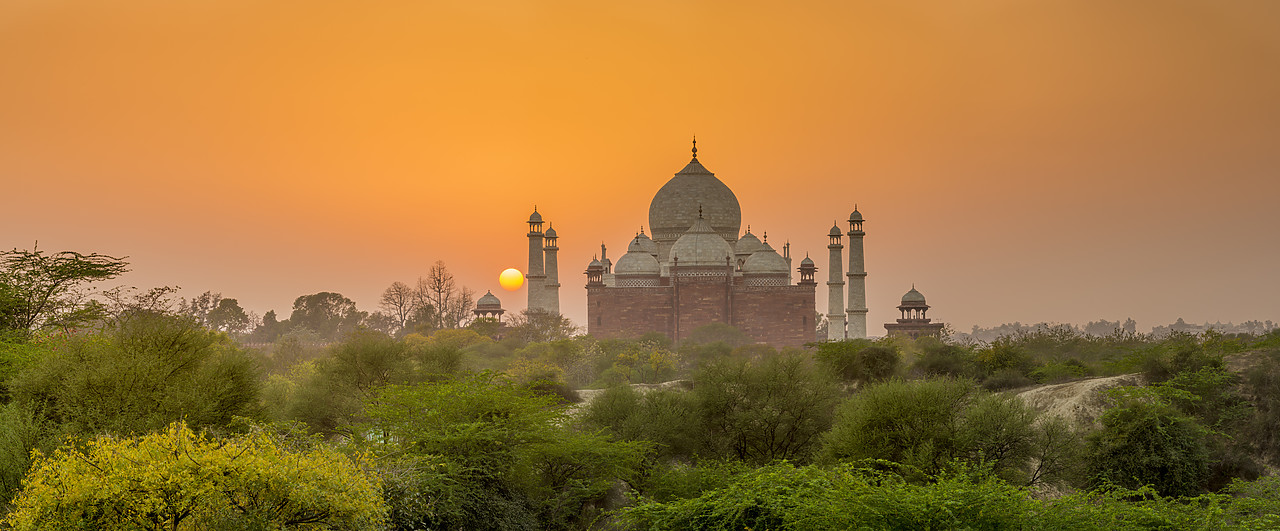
(39, 290)
(176, 479)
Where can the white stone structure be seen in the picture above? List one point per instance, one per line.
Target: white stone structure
(857, 279)
(542, 279)
(835, 289)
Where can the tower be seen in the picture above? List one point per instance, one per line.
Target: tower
(535, 278)
(786, 255)
(857, 279)
(551, 285)
(835, 289)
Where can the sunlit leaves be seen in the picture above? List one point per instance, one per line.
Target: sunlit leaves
(176, 479)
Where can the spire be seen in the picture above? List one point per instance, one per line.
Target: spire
(695, 147)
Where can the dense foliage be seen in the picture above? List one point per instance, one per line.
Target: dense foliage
(144, 415)
(175, 479)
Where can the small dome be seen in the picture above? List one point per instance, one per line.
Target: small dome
(489, 301)
(855, 216)
(835, 230)
(535, 217)
(636, 262)
(701, 246)
(765, 261)
(807, 262)
(913, 296)
(595, 263)
(551, 232)
(747, 244)
(648, 245)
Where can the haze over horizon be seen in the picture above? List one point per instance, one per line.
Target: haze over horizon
(1059, 161)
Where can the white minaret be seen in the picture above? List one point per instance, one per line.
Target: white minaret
(551, 286)
(835, 288)
(534, 277)
(857, 279)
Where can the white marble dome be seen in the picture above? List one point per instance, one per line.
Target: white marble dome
(646, 244)
(765, 261)
(747, 244)
(701, 245)
(676, 205)
(636, 262)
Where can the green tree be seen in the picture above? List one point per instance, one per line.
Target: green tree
(175, 479)
(39, 290)
(929, 424)
(1146, 441)
(139, 375)
(329, 314)
(228, 316)
(859, 360)
(760, 412)
(533, 326)
(332, 398)
(495, 454)
(136, 376)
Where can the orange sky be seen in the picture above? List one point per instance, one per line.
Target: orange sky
(1033, 161)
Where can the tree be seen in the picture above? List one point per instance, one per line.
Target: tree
(512, 462)
(537, 325)
(929, 424)
(176, 479)
(228, 316)
(1146, 441)
(200, 306)
(328, 314)
(760, 412)
(437, 301)
(859, 360)
(363, 362)
(399, 303)
(39, 290)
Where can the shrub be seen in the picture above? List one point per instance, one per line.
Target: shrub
(175, 479)
(1146, 441)
(859, 360)
(928, 424)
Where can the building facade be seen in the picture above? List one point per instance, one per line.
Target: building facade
(697, 270)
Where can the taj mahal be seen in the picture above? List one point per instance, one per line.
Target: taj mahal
(697, 267)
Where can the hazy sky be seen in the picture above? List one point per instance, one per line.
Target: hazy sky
(1034, 161)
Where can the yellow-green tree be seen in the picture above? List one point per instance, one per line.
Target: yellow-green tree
(176, 479)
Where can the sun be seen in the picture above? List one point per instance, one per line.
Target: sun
(511, 279)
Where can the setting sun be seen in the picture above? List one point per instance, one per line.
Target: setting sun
(511, 279)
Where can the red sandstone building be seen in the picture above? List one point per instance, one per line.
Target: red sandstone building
(696, 270)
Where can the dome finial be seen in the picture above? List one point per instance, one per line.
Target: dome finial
(695, 147)
(699, 210)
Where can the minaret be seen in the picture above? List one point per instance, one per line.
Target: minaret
(608, 265)
(534, 278)
(786, 255)
(857, 279)
(835, 288)
(551, 289)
